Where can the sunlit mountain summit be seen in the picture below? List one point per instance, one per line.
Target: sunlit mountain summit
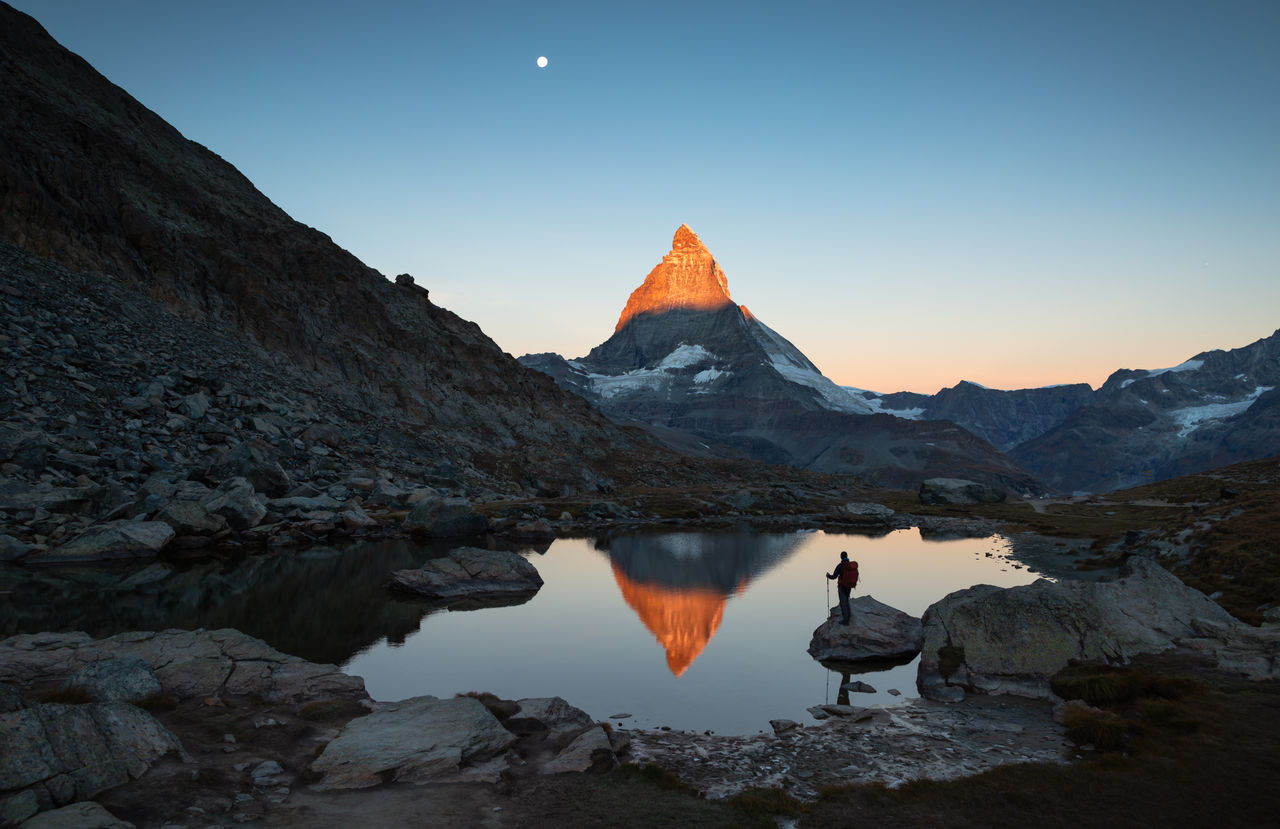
(708, 376)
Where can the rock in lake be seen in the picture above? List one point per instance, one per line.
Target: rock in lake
(445, 518)
(412, 741)
(470, 572)
(995, 640)
(875, 632)
(958, 491)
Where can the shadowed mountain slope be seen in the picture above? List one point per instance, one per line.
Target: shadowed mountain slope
(92, 180)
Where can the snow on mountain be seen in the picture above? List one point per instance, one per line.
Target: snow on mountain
(1189, 365)
(1193, 417)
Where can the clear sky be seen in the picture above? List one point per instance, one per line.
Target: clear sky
(914, 193)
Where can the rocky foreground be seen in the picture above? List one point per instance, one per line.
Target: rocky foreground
(202, 727)
(207, 727)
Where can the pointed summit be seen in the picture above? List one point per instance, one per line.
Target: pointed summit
(687, 277)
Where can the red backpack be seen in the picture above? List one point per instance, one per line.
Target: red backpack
(849, 575)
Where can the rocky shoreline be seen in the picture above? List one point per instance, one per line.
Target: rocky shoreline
(236, 727)
(201, 727)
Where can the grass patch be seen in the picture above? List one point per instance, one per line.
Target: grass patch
(1168, 714)
(1105, 686)
(760, 803)
(656, 775)
(1092, 726)
(498, 707)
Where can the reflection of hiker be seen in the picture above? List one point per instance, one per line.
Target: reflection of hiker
(846, 576)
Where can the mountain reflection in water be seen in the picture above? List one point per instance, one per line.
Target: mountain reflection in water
(678, 583)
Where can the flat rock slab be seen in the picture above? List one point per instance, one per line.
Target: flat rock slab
(412, 741)
(187, 663)
(123, 679)
(112, 540)
(875, 632)
(76, 816)
(472, 573)
(65, 753)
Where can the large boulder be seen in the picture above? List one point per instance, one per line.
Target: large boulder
(123, 679)
(65, 753)
(255, 461)
(236, 501)
(589, 751)
(470, 572)
(875, 632)
(958, 491)
(112, 540)
(445, 518)
(415, 740)
(191, 518)
(1012, 640)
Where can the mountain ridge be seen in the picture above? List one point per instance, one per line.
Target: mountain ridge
(689, 368)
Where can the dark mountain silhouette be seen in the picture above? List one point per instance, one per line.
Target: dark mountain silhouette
(93, 181)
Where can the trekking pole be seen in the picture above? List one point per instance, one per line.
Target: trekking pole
(827, 607)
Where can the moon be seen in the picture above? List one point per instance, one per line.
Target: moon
(542, 62)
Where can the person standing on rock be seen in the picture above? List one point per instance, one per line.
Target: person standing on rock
(846, 577)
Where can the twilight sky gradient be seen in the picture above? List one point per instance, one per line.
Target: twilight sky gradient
(914, 193)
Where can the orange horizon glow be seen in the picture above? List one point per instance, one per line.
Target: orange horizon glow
(682, 620)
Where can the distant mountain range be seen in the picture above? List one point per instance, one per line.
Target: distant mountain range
(1218, 407)
(707, 375)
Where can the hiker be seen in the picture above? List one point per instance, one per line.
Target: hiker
(846, 576)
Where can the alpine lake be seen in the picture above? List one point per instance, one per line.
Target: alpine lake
(694, 631)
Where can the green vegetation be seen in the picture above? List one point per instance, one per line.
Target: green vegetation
(1111, 686)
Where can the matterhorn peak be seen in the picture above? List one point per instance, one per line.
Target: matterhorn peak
(688, 277)
(686, 238)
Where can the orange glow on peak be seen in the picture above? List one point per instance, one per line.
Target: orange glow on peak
(687, 278)
(683, 621)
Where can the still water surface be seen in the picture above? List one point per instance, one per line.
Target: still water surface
(699, 631)
(688, 630)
